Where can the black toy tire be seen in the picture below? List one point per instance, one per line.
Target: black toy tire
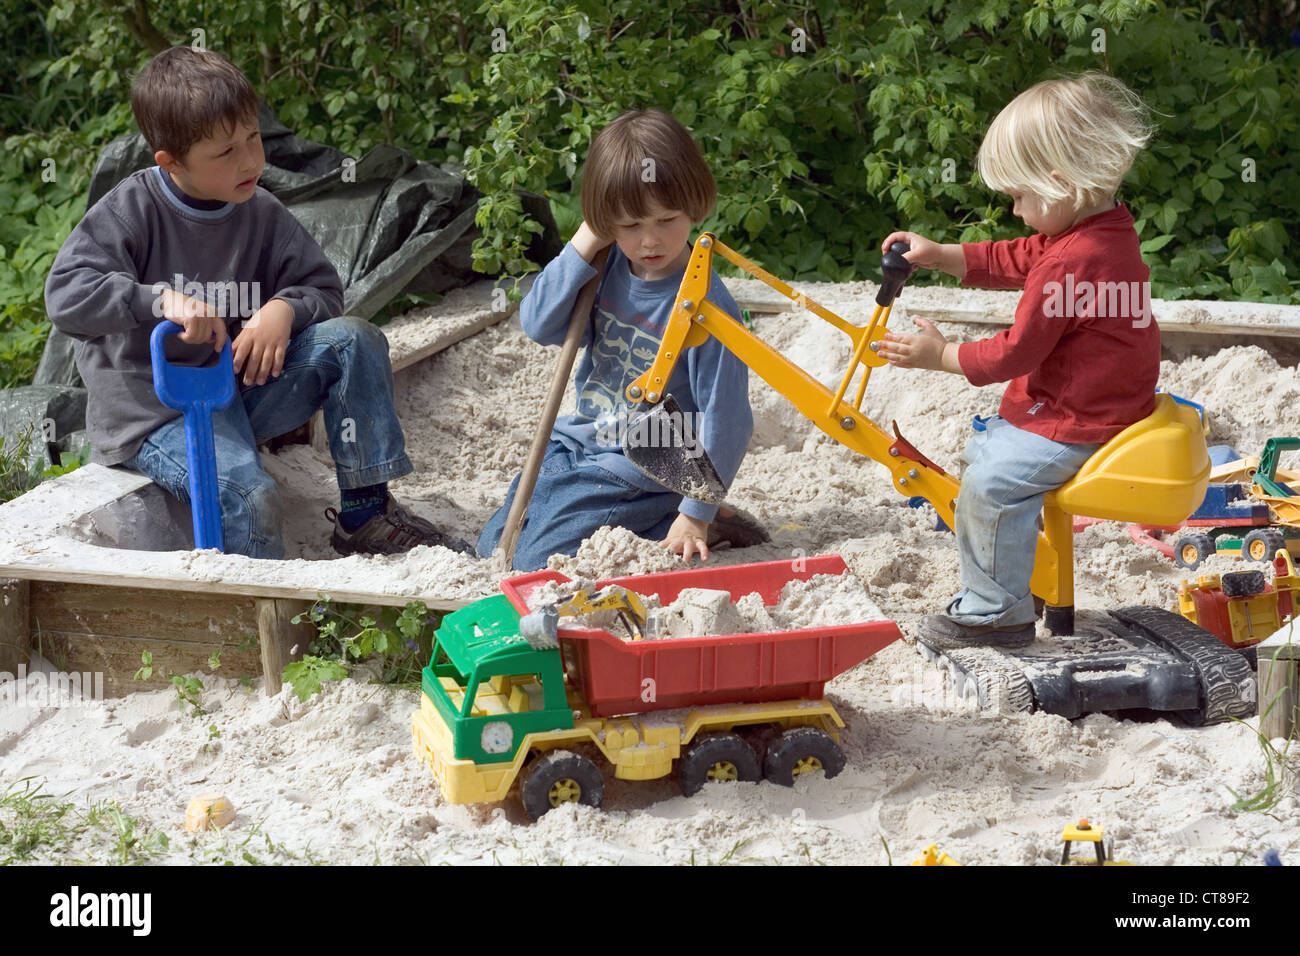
(560, 776)
(1192, 549)
(1266, 541)
(1242, 583)
(719, 756)
(802, 750)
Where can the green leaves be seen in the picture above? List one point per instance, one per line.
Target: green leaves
(838, 139)
(401, 640)
(189, 690)
(1156, 244)
(307, 674)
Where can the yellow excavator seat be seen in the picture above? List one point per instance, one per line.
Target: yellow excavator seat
(1153, 472)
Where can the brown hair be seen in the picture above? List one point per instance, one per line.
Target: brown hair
(1088, 128)
(183, 94)
(641, 155)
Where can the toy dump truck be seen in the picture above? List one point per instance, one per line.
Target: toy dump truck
(1250, 510)
(496, 710)
(1241, 608)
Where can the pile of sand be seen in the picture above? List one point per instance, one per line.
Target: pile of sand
(823, 600)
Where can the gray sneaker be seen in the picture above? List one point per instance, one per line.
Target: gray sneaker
(943, 633)
(394, 532)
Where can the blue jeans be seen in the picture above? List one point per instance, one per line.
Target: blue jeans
(572, 499)
(340, 366)
(1008, 472)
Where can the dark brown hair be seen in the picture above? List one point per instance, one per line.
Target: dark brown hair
(644, 154)
(183, 94)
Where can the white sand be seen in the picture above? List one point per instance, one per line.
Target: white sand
(334, 779)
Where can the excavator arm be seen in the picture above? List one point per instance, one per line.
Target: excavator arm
(694, 318)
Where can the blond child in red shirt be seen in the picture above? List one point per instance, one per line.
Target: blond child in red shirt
(1082, 355)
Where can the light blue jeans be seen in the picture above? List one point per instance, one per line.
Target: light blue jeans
(1008, 472)
(340, 366)
(572, 499)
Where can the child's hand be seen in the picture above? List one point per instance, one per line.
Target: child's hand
(200, 320)
(921, 350)
(263, 342)
(688, 536)
(587, 242)
(929, 254)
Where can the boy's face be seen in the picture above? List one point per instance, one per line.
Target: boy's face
(1051, 219)
(224, 166)
(655, 244)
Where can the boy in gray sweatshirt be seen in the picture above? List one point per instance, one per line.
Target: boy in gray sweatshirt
(195, 240)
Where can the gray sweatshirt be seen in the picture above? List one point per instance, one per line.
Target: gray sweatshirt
(141, 239)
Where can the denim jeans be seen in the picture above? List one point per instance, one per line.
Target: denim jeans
(572, 499)
(340, 366)
(1008, 472)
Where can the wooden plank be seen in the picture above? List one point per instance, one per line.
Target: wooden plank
(93, 629)
(72, 568)
(87, 628)
(281, 640)
(1182, 316)
(444, 337)
(117, 658)
(1168, 322)
(1279, 685)
(197, 617)
(54, 505)
(15, 624)
(417, 335)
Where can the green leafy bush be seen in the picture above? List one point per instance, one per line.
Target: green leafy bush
(17, 473)
(826, 124)
(401, 640)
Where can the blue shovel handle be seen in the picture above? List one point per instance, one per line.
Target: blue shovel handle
(196, 392)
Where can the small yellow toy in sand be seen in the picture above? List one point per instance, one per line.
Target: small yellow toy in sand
(209, 810)
(933, 856)
(1085, 832)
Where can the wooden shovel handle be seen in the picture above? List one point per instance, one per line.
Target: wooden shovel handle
(563, 368)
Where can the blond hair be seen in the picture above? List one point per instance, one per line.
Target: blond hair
(644, 155)
(1088, 128)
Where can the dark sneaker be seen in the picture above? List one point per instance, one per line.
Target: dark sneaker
(736, 528)
(394, 532)
(943, 633)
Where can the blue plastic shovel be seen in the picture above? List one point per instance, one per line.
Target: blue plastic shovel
(197, 392)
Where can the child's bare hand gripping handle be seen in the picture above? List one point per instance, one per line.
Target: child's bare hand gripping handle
(928, 254)
(927, 349)
(199, 320)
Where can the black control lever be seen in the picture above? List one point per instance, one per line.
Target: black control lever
(895, 271)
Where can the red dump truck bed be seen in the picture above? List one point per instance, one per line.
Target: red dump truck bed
(616, 676)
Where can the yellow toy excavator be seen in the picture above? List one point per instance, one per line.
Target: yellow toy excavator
(541, 627)
(1155, 471)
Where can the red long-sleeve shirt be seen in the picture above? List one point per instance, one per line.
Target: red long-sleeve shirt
(1083, 353)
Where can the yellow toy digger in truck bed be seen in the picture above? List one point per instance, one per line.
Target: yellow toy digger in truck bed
(1155, 471)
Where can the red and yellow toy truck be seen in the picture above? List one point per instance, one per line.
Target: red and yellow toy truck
(499, 707)
(1241, 608)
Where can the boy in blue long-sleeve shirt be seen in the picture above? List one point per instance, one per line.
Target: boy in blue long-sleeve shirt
(644, 185)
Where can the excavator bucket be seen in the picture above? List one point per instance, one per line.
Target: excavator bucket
(660, 442)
